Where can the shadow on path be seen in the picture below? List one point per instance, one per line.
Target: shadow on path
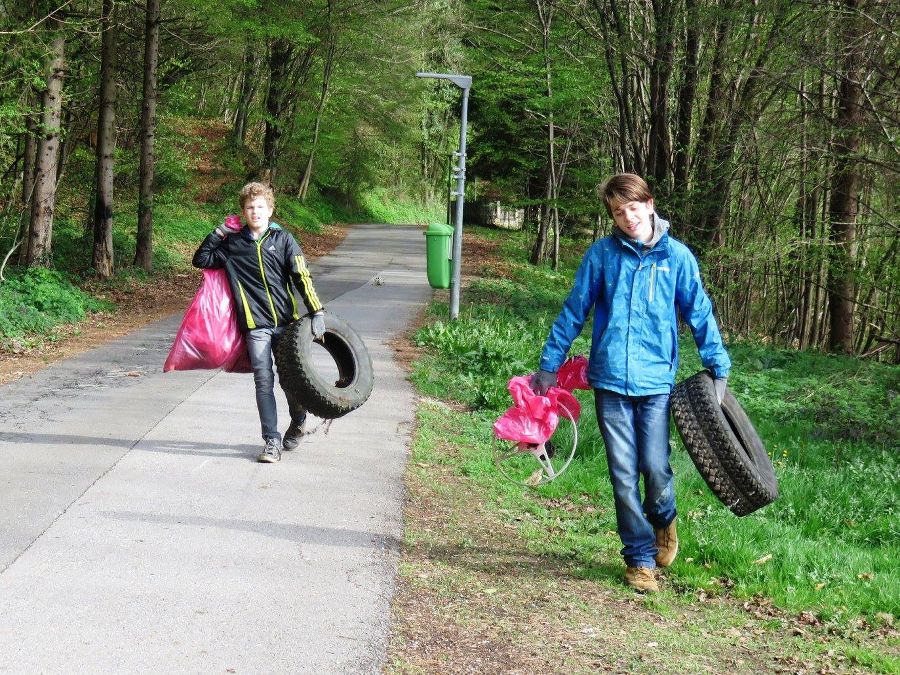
(245, 451)
(303, 534)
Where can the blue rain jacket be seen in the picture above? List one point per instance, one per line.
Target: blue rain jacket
(636, 291)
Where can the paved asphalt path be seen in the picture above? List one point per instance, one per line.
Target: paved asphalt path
(138, 533)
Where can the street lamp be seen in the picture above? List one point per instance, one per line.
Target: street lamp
(464, 82)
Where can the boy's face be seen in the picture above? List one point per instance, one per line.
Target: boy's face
(257, 213)
(634, 219)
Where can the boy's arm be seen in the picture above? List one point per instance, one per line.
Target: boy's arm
(696, 310)
(300, 275)
(574, 312)
(210, 255)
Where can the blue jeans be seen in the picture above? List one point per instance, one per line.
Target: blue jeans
(260, 344)
(635, 430)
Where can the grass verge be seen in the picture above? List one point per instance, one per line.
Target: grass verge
(809, 582)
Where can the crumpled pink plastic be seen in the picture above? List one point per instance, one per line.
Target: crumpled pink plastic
(573, 374)
(534, 418)
(209, 337)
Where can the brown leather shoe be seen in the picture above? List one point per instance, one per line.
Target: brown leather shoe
(642, 579)
(666, 545)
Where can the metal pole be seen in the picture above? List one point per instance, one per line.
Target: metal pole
(449, 185)
(460, 200)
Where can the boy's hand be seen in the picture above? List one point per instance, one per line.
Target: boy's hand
(541, 382)
(318, 325)
(222, 231)
(720, 383)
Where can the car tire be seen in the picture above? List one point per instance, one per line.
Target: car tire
(297, 374)
(723, 444)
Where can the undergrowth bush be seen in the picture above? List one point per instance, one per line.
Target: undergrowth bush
(36, 299)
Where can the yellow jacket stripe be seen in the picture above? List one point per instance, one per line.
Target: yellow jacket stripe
(251, 324)
(306, 280)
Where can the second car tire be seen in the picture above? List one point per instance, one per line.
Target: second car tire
(319, 395)
(723, 444)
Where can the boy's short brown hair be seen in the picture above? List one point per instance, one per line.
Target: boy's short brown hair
(253, 190)
(623, 188)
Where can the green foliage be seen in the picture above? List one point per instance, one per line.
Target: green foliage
(384, 206)
(37, 299)
(828, 422)
(316, 211)
(483, 349)
(492, 341)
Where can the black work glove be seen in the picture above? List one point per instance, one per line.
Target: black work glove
(720, 383)
(318, 325)
(541, 382)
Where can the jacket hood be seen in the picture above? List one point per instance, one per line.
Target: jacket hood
(660, 227)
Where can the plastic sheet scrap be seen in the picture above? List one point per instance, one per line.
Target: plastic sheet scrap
(209, 337)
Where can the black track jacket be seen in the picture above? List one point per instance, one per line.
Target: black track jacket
(260, 272)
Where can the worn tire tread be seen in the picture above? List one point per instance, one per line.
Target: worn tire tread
(737, 470)
(296, 374)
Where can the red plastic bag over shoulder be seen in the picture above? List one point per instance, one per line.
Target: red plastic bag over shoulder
(209, 337)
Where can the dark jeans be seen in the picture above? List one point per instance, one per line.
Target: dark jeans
(260, 345)
(636, 434)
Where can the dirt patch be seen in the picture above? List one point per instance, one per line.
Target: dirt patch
(207, 146)
(481, 259)
(138, 304)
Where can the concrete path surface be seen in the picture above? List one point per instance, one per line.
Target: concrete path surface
(138, 533)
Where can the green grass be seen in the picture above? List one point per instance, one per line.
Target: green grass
(829, 544)
(384, 206)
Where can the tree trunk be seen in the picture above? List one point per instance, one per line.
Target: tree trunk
(538, 252)
(40, 235)
(245, 100)
(143, 254)
(628, 100)
(28, 164)
(845, 186)
(320, 109)
(279, 58)
(687, 94)
(660, 71)
(28, 160)
(545, 15)
(106, 146)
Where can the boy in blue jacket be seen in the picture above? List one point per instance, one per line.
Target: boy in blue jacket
(636, 280)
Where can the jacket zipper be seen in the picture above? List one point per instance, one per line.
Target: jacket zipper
(262, 273)
(652, 281)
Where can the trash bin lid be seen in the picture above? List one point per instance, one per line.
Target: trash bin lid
(439, 229)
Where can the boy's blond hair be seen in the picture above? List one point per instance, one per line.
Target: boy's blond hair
(253, 190)
(623, 188)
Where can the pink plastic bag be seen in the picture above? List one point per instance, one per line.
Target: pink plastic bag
(573, 374)
(534, 418)
(209, 337)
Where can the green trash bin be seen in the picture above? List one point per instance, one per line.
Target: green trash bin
(438, 254)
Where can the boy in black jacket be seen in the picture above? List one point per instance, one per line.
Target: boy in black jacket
(261, 261)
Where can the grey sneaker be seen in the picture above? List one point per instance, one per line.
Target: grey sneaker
(293, 434)
(272, 452)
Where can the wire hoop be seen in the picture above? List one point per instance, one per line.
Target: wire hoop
(510, 453)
